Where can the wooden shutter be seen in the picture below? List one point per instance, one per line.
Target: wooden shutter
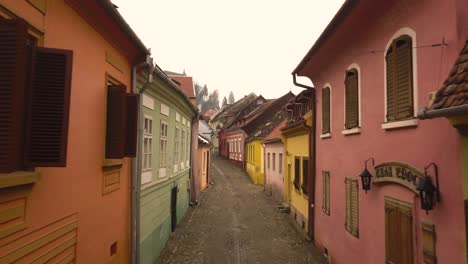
(403, 78)
(305, 176)
(13, 83)
(326, 110)
(429, 240)
(399, 77)
(326, 192)
(391, 233)
(47, 126)
(398, 232)
(115, 123)
(297, 173)
(352, 99)
(352, 207)
(132, 125)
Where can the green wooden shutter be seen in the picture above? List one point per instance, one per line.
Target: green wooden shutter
(115, 123)
(13, 82)
(326, 110)
(351, 99)
(391, 111)
(403, 78)
(47, 129)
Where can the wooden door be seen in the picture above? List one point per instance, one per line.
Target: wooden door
(398, 232)
(173, 208)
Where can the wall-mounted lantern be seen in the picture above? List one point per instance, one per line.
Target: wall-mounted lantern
(428, 193)
(366, 176)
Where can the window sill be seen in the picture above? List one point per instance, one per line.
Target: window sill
(352, 131)
(327, 135)
(18, 178)
(112, 163)
(400, 124)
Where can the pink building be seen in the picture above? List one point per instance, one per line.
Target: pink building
(274, 169)
(373, 67)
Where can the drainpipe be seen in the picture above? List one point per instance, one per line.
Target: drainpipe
(193, 193)
(136, 166)
(312, 157)
(446, 112)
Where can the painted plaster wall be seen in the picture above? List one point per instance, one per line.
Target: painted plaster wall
(274, 178)
(254, 166)
(155, 217)
(297, 146)
(155, 203)
(430, 141)
(77, 188)
(236, 155)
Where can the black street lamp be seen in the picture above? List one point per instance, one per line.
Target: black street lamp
(366, 176)
(428, 193)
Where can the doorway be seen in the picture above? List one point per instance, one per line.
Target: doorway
(173, 208)
(398, 232)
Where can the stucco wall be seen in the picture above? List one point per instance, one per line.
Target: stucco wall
(254, 166)
(77, 189)
(429, 141)
(274, 178)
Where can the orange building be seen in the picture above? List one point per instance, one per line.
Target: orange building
(68, 126)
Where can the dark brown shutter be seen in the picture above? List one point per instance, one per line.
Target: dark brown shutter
(115, 123)
(132, 124)
(47, 126)
(297, 173)
(13, 83)
(399, 79)
(326, 110)
(403, 78)
(352, 99)
(390, 85)
(305, 176)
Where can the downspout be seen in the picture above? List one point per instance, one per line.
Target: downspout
(445, 112)
(193, 194)
(312, 157)
(136, 166)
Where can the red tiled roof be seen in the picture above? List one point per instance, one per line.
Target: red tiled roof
(186, 84)
(276, 133)
(454, 91)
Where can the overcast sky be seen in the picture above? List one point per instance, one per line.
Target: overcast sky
(241, 46)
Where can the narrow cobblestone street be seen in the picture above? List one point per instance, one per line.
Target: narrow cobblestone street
(236, 223)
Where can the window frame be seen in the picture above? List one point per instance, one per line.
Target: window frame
(353, 183)
(326, 135)
(273, 160)
(411, 121)
(147, 171)
(280, 162)
(176, 151)
(163, 139)
(354, 130)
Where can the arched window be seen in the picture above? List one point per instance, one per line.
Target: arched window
(351, 99)
(326, 115)
(399, 66)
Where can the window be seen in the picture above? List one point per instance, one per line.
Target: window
(268, 161)
(163, 146)
(34, 131)
(305, 175)
(274, 161)
(351, 99)
(326, 116)
(399, 79)
(280, 163)
(297, 172)
(176, 149)
(326, 192)
(147, 150)
(188, 146)
(352, 206)
(182, 145)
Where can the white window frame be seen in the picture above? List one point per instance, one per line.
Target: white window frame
(147, 151)
(327, 135)
(163, 140)
(410, 122)
(355, 130)
(182, 148)
(176, 149)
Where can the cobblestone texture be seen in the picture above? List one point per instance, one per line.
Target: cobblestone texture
(236, 223)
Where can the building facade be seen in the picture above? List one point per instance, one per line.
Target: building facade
(385, 65)
(165, 161)
(66, 174)
(274, 169)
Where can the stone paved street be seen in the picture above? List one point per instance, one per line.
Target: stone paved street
(236, 223)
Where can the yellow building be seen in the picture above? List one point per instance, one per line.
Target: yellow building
(254, 161)
(295, 136)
